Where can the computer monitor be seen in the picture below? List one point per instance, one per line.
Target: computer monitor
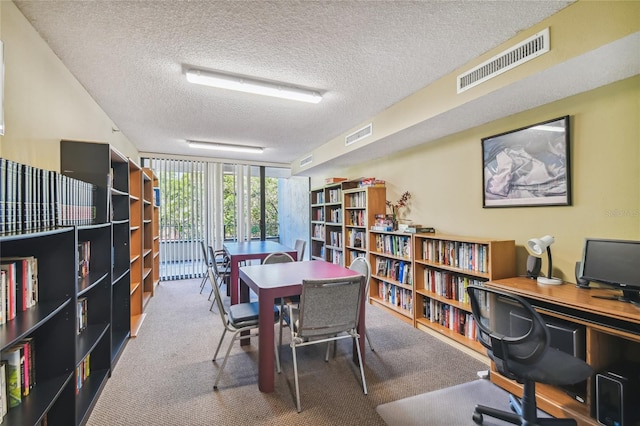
(615, 263)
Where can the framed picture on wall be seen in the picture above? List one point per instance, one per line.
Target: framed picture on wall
(528, 166)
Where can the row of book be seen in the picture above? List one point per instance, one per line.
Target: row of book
(81, 314)
(397, 270)
(336, 257)
(318, 214)
(33, 198)
(449, 285)
(357, 238)
(82, 372)
(467, 256)
(357, 199)
(17, 374)
(335, 215)
(356, 218)
(395, 245)
(18, 286)
(457, 320)
(318, 231)
(395, 295)
(335, 195)
(335, 239)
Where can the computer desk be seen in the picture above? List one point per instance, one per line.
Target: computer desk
(612, 336)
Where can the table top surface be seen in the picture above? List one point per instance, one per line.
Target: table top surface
(255, 247)
(292, 273)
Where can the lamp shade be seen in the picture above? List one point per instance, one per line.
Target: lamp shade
(538, 246)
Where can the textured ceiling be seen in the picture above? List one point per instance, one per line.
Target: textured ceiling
(364, 56)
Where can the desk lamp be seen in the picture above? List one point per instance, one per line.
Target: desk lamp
(537, 246)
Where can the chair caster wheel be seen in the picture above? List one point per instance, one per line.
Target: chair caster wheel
(477, 418)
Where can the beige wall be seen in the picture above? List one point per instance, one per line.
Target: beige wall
(445, 178)
(44, 103)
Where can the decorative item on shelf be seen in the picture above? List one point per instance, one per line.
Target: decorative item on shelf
(382, 223)
(537, 246)
(371, 181)
(395, 207)
(334, 180)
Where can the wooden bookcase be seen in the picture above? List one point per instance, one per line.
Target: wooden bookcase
(147, 246)
(155, 226)
(136, 209)
(106, 168)
(327, 222)
(443, 266)
(391, 273)
(361, 205)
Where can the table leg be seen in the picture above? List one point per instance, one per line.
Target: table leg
(266, 345)
(233, 281)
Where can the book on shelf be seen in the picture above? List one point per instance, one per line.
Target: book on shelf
(371, 181)
(84, 253)
(383, 228)
(26, 281)
(81, 314)
(3, 390)
(419, 230)
(13, 376)
(9, 301)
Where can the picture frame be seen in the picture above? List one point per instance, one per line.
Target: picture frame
(529, 166)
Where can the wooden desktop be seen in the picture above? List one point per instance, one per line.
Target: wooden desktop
(612, 336)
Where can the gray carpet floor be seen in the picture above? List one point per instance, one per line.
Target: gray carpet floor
(165, 375)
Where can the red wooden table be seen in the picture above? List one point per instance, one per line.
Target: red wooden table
(248, 250)
(271, 282)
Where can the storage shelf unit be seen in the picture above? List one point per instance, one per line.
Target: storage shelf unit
(444, 265)
(391, 273)
(103, 166)
(361, 205)
(136, 208)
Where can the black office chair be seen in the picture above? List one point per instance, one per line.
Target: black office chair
(517, 340)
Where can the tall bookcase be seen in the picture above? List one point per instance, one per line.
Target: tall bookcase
(93, 343)
(444, 265)
(391, 288)
(136, 212)
(49, 324)
(333, 214)
(361, 205)
(106, 168)
(155, 227)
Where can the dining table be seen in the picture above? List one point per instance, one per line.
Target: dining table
(274, 281)
(248, 250)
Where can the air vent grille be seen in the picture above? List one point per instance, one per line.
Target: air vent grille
(524, 51)
(306, 160)
(358, 135)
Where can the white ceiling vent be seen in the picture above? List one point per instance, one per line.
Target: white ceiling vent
(358, 135)
(522, 52)
(306, 160)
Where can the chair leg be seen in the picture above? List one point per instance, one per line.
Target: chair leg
(219, 345)
(295, 377)
(203, 282)
(366, 335)
(278, 366)
(226, 357)
(364, 381)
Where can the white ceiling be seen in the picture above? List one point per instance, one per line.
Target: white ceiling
(363, 56)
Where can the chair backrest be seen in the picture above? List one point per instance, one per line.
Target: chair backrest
(329, 306)
(509, 327)
(216, 294)
(361, 265)
(300, 246)
(277, 257)
(205, 254)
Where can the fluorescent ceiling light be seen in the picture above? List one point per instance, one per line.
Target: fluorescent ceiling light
(242, 84)
(226, 147)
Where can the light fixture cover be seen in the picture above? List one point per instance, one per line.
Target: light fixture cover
(537, 246)
(225, 147)
(242, 84)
